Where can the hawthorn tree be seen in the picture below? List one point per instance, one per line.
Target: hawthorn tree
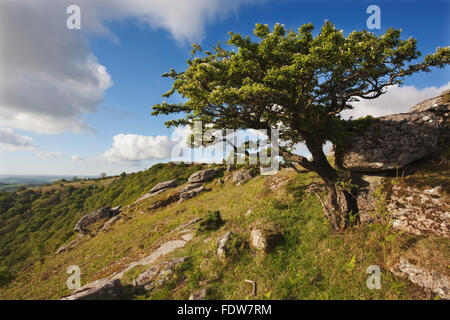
(298, 83)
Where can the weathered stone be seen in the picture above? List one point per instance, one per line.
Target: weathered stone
(264, 236)
(241, 176)
(115, 211)
(103, 289)
(159, 188)
(397, 140)
(433, 282)
(221, 245)
(156, 276)
(191, 192)
(66, 246)
(164, 185)
(437, 103)
(276, 181)
(368, 197)
(199, 295)
(185, 225)
(103, 213)
(420, 211)
(203, 175)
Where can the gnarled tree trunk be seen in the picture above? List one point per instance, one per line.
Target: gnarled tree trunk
(340, 203)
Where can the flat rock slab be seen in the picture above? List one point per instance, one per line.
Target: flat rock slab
(397, 140)
(420, 211)
(203, 175)
(103, 289)
(433, 282)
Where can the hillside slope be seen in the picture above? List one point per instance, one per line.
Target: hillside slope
(172, 252)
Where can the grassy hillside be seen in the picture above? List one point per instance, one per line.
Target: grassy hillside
(35, 222)
(311, 262)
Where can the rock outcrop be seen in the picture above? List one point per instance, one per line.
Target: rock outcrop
(159, 188)
(66, 247)
(433, 282)
(368, 197)
(199, 295)
(221, 245)
(103, 289)
(420, 211)
(203, 175)
(103, 213)
(397, 140)
(157, 275)
(241, 176)
(264, 236)
(190, 191)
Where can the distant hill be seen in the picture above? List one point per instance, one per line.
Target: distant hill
(14, 182)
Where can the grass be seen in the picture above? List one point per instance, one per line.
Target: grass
(311, 262)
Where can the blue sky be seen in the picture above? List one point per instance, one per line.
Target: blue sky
(135, 51)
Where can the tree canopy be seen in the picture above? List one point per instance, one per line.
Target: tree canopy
(293, 81)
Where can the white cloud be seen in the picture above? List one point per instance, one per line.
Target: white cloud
(133, 148)
(396, 100)
(10, 141)
(77, 159)
(48, 76)
(50, 155)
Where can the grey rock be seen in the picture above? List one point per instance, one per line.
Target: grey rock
(241, 176)
(397, 140)
(159, 188)
(433, 104)
(199, 295)
(157, 275)
(164, 185)
(203, 175)
(264, 237)
(103, 289)
(433, 282)
(85, 221)
(66, 247)
(419, 212)
(367, 197)
(191, 192)
(221, 245)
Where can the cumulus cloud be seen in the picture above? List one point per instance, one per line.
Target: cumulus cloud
(50, 155)
(49, 77)
(134, 148)
(395, 100)
(10, 141)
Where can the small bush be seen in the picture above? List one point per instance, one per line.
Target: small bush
(212, 222)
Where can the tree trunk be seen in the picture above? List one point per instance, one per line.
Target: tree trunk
(340, 203)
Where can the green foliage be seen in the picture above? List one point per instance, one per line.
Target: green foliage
(5, 276)
(292, 78)
(33, 224)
